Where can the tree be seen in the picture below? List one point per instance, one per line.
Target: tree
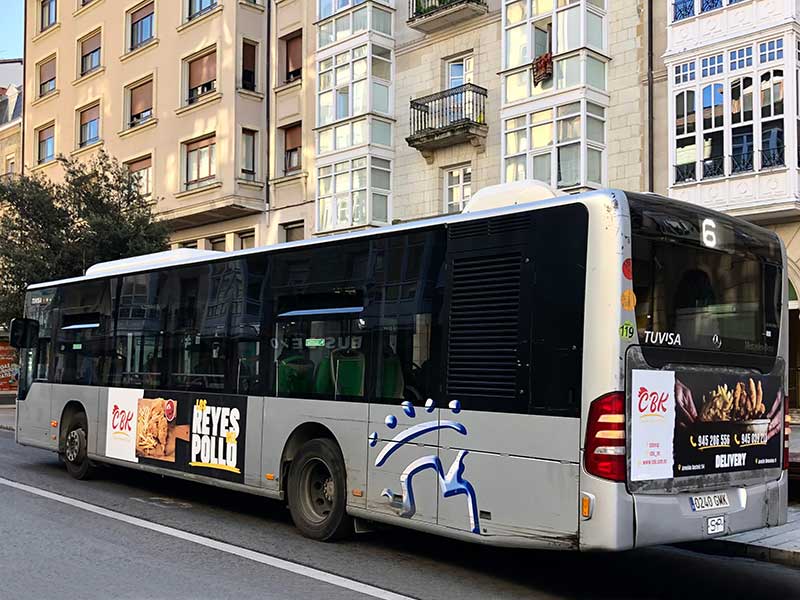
(53, 230)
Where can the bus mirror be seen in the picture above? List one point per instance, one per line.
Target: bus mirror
(24, 333)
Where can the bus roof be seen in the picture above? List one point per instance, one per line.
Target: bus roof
(185, 256)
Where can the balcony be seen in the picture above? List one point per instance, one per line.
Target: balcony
(444, 119)
(428, 16)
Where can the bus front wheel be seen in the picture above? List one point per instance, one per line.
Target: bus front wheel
(75, 454)
(318, 491)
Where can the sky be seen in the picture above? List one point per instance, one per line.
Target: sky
(11, 16)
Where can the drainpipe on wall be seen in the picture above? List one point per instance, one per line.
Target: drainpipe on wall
(267, 137)
(650, 103)
(24, 84)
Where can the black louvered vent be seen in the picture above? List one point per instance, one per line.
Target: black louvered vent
(483, 337)
(486, 227)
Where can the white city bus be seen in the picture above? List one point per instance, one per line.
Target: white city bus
(598, 371)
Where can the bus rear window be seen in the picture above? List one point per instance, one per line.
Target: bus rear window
(724, 298)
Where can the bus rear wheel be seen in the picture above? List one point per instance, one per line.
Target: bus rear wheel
(75, 455)
(318, 491)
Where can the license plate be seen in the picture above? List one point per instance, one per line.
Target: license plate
(715, 525)
(709, 501)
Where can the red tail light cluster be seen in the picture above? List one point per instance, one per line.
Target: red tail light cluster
(604, 453)
(787, 430)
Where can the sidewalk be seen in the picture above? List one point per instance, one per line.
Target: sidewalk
(8, 417)
(772, 544)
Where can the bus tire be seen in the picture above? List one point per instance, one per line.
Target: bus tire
(317, 491)
(75, 455)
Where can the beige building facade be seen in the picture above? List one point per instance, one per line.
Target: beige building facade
(176, 90)
(402, 110)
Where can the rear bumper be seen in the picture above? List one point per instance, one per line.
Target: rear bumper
(664, 519)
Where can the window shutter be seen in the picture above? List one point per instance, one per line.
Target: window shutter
(294, 137)
(90, 114)
(294, 54)
(90, 44)
(143, 12)
(46, 133)
(249, 57)
(202, 70)
(196, 145)
(142, 98)
(47, 71)
(140, 165)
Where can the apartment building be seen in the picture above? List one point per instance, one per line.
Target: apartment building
(176, 89)
(387, 111)
(10, 116)
(734, 120)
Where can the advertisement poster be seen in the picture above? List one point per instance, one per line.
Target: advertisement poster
(652, 425)
(694, 423)
(202, 434)
(9, 368)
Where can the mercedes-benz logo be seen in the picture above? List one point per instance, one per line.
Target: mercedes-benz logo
(717, 341)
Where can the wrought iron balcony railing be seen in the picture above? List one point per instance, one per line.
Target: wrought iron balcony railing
(773, 157)
(463, 104)
(742, 162)
(685, 172)
(713, 167)
(423, 8)
(431, 15)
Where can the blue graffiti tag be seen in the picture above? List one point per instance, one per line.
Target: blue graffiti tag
(451, 483)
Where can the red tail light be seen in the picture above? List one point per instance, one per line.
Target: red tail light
(787, 430)
(604, 452)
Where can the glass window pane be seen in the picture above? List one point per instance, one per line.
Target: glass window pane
(342, 136)
(342, 27)
(594, 165)
(326, 140)
(380, 207)
(542, 135)
(359, 132)
(516, 46)
(360, 207)
(516, 12)
(381, 21)
(326, 34)
(541, 168)
(595, 130)
(568, 72)
(326, 108)
(517, 86)
(541, 6)
(569, 29)
(594, 109)
(380, 98)
(325, 217)
(516, 142)
(380, 179)
(594, 30)
(360, 97)
(325, 186)
(360, 68)
(360, 20)
(342, 103)
(381, 133)
(515, 168)
(595, 73)
(359, 179)
(542, 115)
(381, 69)
(569, 129)
(343, 75)
(569, 165)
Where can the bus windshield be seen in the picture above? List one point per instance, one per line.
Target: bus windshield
(702, 281)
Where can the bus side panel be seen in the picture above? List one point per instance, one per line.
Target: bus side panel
(34, 416)
(347, 421)
(255, 441)
(524, 471)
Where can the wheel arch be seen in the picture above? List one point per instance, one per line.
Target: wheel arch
(302, 434)
(71, 408)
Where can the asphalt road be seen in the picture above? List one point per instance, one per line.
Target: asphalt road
(53, 543)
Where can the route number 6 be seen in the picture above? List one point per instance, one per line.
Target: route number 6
(709, 233)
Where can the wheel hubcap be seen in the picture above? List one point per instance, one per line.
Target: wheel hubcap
(73, 445)
(320, 490)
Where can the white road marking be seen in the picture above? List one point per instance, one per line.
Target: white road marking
(265, 559)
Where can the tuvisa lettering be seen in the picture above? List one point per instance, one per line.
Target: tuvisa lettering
(662, 338)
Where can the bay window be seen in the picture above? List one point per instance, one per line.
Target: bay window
(713, 131)
(364, 17)
(742, 144)
(353, 193)
(685, 138)
(563, 147)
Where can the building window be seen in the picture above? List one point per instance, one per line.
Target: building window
(142, 171)
(460, 71)
(293, 148)
(47, 77)
(202, 76)
(142, 25)
(682, 9)
(345, 190)
(141, 103)
(354, 82)
(771, 50)
(712, 65)
(685, 142)
(249, 154)
(89, 126)
(247, 240)
(218, 244)
(684, 73)
(457, 188)
(293, 48)
(47, 145)
(10, 165)
(713, 131)
(90, 54)
(48, 14)
(741, 58)
(549, 146)
(707, 5)
(201, 162)
(294, 232)
(200, 7)
(742, 142)
(355, 22)
(191, 245)
(249, 53)
(772, 123)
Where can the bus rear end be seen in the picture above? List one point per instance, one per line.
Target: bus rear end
(697, 442)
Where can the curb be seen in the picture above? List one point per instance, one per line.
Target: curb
(6, 428)
(789, 558)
